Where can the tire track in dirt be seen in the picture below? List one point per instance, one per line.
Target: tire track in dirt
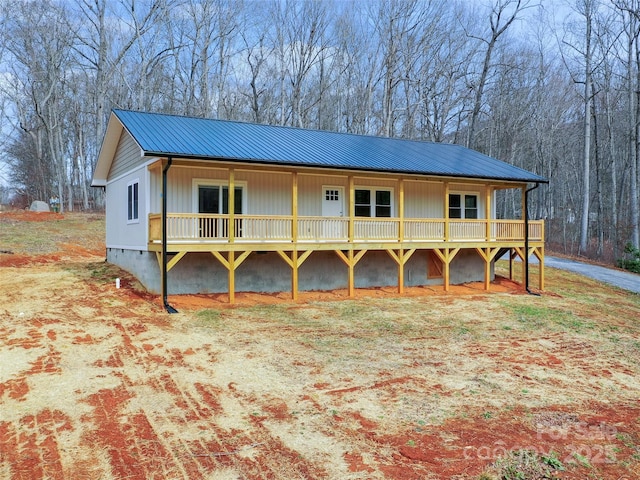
(133, 447)
(159, 442)
(252, 452)
(32, 451)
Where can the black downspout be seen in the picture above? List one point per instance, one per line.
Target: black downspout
(165, 301)
(526, 240)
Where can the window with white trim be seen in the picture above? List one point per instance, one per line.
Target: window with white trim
(332, 195)
(212, 196)
(132, 201)
(373, 202)
(463, 205)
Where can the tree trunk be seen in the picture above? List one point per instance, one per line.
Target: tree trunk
(496, 31)
(635, 206)
(586, 156)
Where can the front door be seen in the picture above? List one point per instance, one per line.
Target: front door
(333, 202)
(332, 206)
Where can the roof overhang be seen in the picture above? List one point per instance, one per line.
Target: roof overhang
(163, 127)
(107, 151)
(252, 162)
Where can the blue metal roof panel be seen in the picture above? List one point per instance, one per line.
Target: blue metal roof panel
(171, 135)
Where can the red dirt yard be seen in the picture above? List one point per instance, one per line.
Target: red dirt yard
(99, 382)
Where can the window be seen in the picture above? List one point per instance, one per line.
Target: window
(373, 203)
(383, 203)
(332, 195)
(132, 201)
(212, 197)
(463, 205)
(363, 203)
(215, 199)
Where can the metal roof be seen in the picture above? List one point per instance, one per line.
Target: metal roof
(189, 137)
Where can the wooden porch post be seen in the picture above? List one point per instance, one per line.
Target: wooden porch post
(511, 257)
(524, 201)
(294, 262)
(401, 257)
(351, 274)
(446, 212)
(350, 260)
(232, 205)
(518, 252)
(541, 267)
(446, 255)
(401, 211)
(294, 274)
(401, 271)
(294, 235)
(525, 256)
(352, 207)
(232, 277)
(231, 263)
(231, 199)
(400, 260)
(294, 207)
(446, 267)
(487, 254)
(487, 211)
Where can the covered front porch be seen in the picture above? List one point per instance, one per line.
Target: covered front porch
(238, 212)
(198, 229)
(232, 238)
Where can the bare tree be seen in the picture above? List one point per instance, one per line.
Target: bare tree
(40, 51)
(443, 75)
(102, 44)
(256, 54)
(503, 14)
(631, 18)
(299, 40)
(579, 40)
(358, 61)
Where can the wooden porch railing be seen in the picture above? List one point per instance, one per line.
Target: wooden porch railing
(191, 227)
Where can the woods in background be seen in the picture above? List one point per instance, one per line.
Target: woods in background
(554, 91)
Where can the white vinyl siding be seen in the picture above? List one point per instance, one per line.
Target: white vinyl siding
(127, 157)
(270, 193)
(423, 199)
(122, 232)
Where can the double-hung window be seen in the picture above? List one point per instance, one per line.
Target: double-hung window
(132, 201)
(372, 202)
(463, 205)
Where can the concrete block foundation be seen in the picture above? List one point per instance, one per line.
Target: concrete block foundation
(199, 272)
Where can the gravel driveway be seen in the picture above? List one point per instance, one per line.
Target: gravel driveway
(626, 280)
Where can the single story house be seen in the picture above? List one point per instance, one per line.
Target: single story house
(197, 205)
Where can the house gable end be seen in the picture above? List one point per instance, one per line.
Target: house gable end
(127, 156)
(119, 152)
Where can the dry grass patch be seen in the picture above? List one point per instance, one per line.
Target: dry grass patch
(102, 383)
